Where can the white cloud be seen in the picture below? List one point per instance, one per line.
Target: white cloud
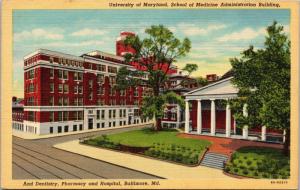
(193, 30)
(245, 34)
(89, 32)
(39, 33)
(75, 44)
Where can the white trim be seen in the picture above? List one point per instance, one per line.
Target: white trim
(207, 86)
(54, 53)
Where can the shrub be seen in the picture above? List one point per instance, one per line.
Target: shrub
(245, 172)
(249, 162)
(236, 170)
(251, 168)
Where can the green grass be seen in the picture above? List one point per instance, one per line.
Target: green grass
(146, 137)
(259, 162)
(162, 144)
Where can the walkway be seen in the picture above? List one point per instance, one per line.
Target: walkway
(227, 146)
(151, 166)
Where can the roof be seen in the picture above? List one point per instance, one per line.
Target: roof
(221, 89)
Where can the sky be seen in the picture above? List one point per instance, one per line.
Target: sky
(216, 35)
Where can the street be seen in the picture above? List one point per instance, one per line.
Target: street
(37, 159)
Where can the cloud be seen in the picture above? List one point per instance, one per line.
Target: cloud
(74, 44)
(245, 34)
(38, 33)
(193, 30)
(89, 32)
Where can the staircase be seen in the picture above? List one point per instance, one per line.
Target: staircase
(214, 160)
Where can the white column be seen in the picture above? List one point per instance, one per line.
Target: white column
(284, 134)
(187, 117)
(263, 133)
(245, 128)
(199, 117)
(234, 126)
(228, 120)
(178, 115)
(213, 118)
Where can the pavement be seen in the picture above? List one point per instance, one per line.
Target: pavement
(38, 159)
(151, 166)
(227, 146)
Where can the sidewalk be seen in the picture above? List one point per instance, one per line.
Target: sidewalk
(147, 165)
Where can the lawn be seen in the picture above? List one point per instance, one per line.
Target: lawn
(159, 144)
(259, 162)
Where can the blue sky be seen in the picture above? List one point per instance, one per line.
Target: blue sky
(216, 35)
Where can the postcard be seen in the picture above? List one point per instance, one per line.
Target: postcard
(149, 94)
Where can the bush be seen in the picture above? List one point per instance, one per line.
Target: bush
(236, 170)
(249, 162)
(245, 172)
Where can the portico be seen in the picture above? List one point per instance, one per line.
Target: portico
(207, 112)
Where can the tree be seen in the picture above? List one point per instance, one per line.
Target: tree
(263, 79)
(202, 81)
(154, 54)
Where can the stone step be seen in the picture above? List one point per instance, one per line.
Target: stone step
(214, 160)
(216, 154)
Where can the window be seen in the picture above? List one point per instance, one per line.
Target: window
(51, 101)
(80, 115)
(173, 116)
(66, 115)
(31, 116)
(60, 116)
(102, 114)
(65, 74)
(114, 124)
(90, 123)
(31, 87)
(80, 101)
(80, 76)
(100, 102)
(101, 68)
(91, 96)
(102, 125)
(100, 78)
(31, 74)
(114, 113)
(75, 76)
(112, 69)
(60, 88)
(98, 114)
(80, 89)
(66, 128)
(165, 115)
(51, 87)
(51, 117)
(80, 127)
(74, 127)
(109, 114)
(66, 88)
(136, 93)
(51, 73)
(136, 102)
(98, 125)
(66, 101)
(124, 113)
(109, 124)
(50, 130)
(90, 83)
(60, 101)
(30, 101)
(121, 113)
(100, 90)
(75, 89)
(112, 91)
(112, 80)
(122, 92)
(60, 74)
(59, 129)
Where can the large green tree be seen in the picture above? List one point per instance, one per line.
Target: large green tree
(155, 54)
(263, 78)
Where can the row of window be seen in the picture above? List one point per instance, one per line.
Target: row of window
(65, 128)
(168, 115)
(68, 62)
